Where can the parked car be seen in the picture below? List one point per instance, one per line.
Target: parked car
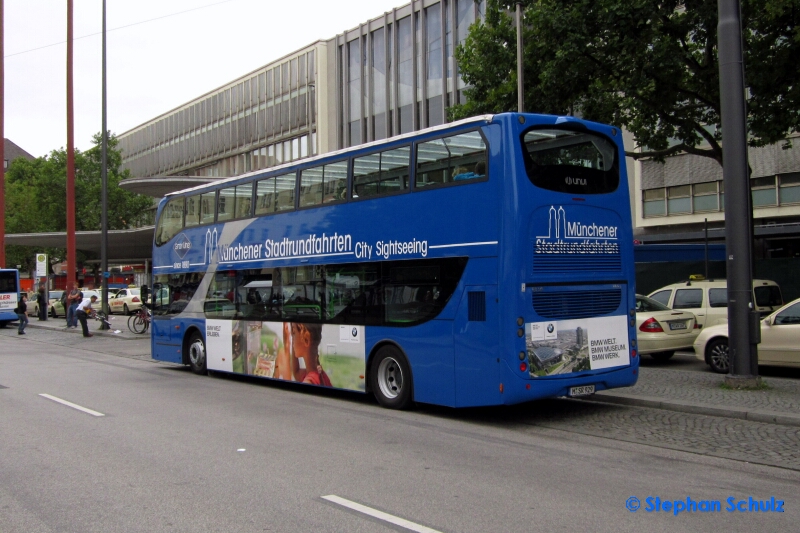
(707, 299)
(125, 301)
(780, 333)
(57, 306)
(662, 330)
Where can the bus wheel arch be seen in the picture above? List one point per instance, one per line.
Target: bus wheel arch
(389, 376)
(194, 351)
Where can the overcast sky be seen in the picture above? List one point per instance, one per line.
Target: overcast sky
(160, 54)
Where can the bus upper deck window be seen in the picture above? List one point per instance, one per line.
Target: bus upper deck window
(171, 221)
(575, 162)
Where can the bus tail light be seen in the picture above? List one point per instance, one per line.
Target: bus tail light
(523, 366)
(651, 325)
(633, 353)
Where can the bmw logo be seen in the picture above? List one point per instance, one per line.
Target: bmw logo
(355, 332)
(550, 328)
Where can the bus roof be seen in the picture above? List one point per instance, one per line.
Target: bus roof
(470, 120)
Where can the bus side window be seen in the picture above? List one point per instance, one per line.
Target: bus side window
(171, 221)
(451, 159)
(382, 173)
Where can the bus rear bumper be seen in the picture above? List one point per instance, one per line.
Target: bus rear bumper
(518, 389)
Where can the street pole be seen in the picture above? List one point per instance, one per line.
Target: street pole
(71, 259)
(2, 145)
(520, 74)
(743, 320)
(104, 179)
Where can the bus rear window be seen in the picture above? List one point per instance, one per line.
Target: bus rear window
(570, 161)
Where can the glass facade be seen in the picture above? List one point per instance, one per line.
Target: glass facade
(392, 75)
(231, 130)
(403, 67)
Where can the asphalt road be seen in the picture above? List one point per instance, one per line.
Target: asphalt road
(176, 452)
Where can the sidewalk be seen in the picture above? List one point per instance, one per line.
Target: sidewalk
(118, 323)
(702, 393)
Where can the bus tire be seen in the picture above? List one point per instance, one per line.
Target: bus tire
(3, 323)
(196, 354)
(390, 378)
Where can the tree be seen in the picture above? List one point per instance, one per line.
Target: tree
(36, 196)
(648, 66)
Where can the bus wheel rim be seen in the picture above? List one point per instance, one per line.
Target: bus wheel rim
(390, 378)
(197, 353)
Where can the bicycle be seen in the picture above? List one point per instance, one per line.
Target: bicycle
(139, 321)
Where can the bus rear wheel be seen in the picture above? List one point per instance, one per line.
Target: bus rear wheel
(390, 378)
(197, 354)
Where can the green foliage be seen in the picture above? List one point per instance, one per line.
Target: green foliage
(649, 66)
(36, 196)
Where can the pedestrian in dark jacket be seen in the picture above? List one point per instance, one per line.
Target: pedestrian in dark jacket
(41, 299)
(22, 314)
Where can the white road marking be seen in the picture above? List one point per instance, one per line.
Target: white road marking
(73, 405)
(380, 515)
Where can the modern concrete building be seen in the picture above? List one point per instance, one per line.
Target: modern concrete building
(393, 74)
(397, 73)
(674, 200)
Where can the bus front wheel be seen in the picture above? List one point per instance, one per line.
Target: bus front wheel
(197, 354)
(390, 378)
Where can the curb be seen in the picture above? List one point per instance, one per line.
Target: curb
(766, 417)
(101, 333)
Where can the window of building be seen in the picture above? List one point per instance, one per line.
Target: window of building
(679, 199)
(764, 191)
(382, 173)
(704, 197)
(433, 57)
(654, 202)
(789, 191)
(354, 91)
(451, 159)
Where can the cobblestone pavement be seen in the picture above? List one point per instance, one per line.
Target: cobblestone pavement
(701, 392)
(741, 440)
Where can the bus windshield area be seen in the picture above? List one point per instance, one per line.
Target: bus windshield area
(570, 161)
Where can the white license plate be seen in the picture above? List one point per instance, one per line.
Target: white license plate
(581, 391)
(677, 325)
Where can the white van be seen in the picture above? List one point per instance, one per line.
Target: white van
(708, 298)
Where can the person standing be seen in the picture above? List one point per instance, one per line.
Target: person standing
(83, 311)
(74, 298)
(41, 299)
(22, 314)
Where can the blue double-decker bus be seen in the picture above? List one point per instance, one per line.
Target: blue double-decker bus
(487, 261)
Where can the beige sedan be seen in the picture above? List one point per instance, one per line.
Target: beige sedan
(661, 330)
(780, 341)
(125, 301)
